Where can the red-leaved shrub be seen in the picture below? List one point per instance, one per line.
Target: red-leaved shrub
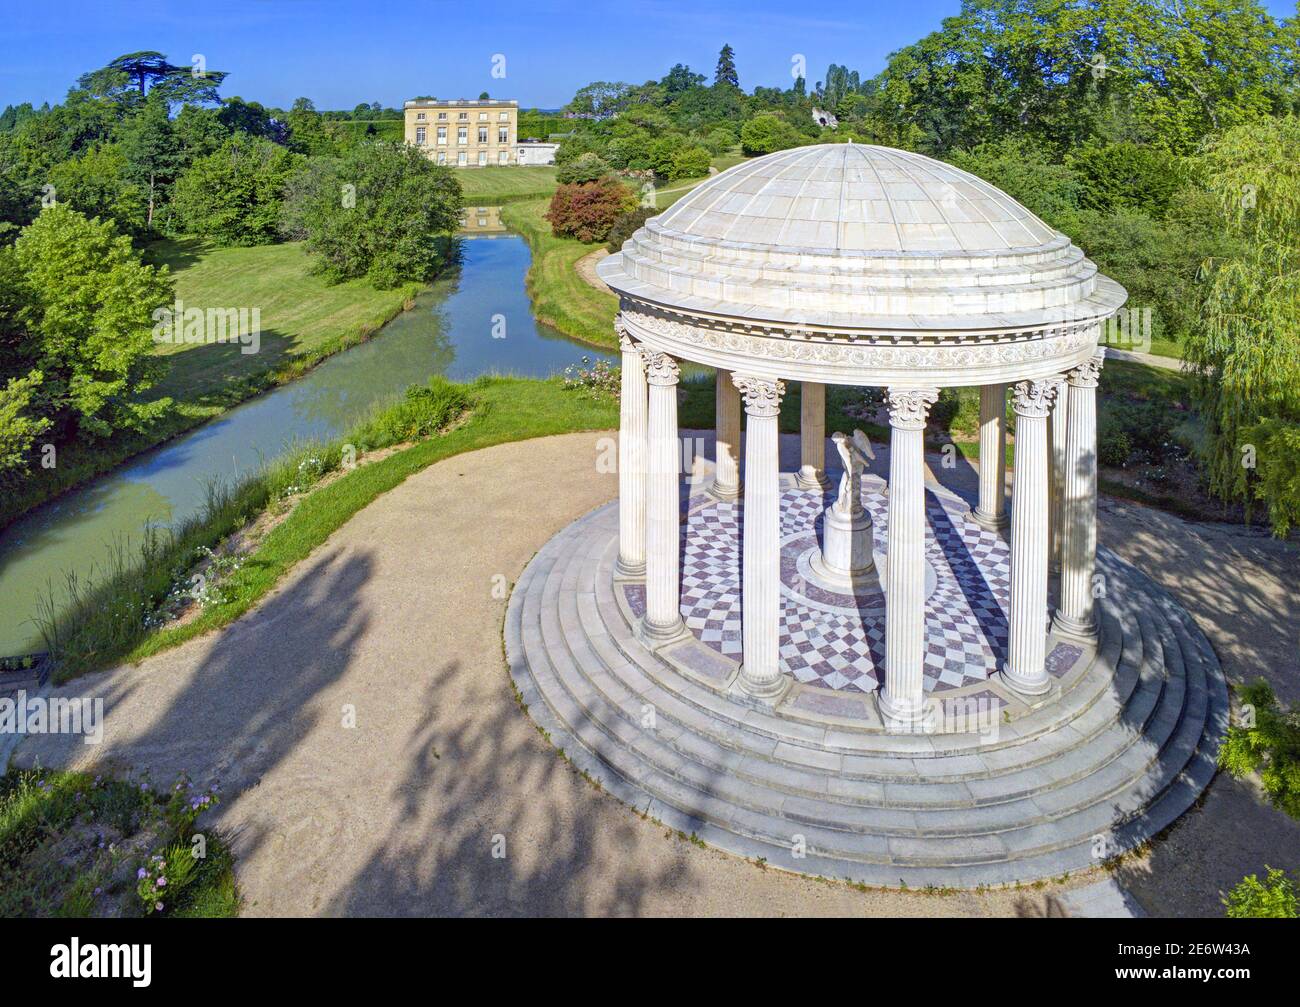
(588, 211)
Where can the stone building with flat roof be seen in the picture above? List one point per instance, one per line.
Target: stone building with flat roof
(464, 133)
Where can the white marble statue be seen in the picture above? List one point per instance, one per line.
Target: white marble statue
(854, 452)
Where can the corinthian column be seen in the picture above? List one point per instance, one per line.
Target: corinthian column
(760, 626)
(991, 512)
(631, 459)
(1026, 670)
(726, 472)
(902, 701)
(812, 435)
(1056, 435)
(663, 617)
(1076, 615)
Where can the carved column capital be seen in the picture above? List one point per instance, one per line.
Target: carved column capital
(909, 407)
(660, 368)
(1088, 373)
(1035, 398)
(625, 341)
(762, 396)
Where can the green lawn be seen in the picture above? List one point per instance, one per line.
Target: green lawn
(504, 184)
(304, 317)
(561, 298)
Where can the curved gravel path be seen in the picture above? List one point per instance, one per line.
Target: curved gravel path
(396, 623)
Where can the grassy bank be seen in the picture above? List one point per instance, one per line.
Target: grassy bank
(499, 184)
(124, 617)
(561, 298)
(73, 845)
(304, 319)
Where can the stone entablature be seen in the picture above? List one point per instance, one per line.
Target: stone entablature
(952, 359)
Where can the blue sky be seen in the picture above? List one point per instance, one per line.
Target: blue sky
(341, 53)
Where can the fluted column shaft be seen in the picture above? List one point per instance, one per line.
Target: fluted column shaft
(726, 476)
(1026, 669)
(760, 601)
(991, 512)
(1076, 614)
(812, 435)
(663, 618)
(632, 418)
(1056, 437)
(902, 702)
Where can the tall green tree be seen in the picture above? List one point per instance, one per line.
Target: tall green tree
(1247, 352)
(96, 185)
(152, 154)
(130, 78)
(382, 210)
(236, 194)
(76, 304)
(725, 73)
(1193, 67)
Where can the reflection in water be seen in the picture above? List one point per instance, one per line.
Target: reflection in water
(481, 220)
(474, 320)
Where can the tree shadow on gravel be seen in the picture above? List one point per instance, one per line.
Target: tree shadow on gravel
(456, 850)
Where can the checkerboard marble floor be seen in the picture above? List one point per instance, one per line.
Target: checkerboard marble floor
(837, 639)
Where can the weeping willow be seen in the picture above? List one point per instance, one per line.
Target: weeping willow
(1246, 351)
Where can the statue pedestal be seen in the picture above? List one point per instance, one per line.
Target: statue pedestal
(847, 546)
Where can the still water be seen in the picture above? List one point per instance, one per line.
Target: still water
(477, 321)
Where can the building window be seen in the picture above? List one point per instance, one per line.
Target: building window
(482, 117)
(419, 115)
(504, 116)
(462, 158)
(482, 158)
(419, 136)
(503, 134)
(442, 115)
(482, 134)
(503, 157)
(462, 134)
(442, 157)
(462, 115)
(442, 134)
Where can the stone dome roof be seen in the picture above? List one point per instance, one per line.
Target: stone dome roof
(860, 237)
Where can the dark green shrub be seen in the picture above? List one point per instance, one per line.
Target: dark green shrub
(628, 224)
(582, 169)
(1266, 741)
(1136, 431)
(1273, 898)
(690, 163)
(423, 411)
(1113, 446)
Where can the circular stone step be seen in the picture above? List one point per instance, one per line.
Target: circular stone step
(1123, 744)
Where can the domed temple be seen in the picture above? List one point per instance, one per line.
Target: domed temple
(847, 675)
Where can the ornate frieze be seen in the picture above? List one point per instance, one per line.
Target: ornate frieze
(762, 397)
(1035, 398)
(909, 407)
(879, 352)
